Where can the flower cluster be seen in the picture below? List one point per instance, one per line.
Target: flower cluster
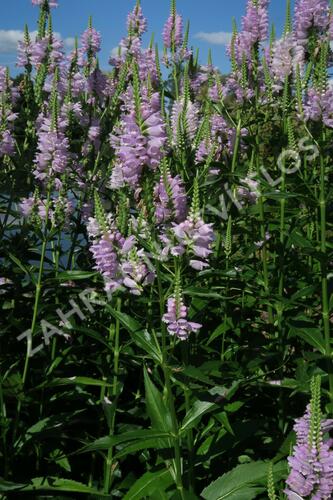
(138, 144)
(118, 259)
(311, 464)
(170, 199)
(7, 116)
(176, 319)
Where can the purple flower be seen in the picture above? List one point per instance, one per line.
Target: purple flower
(97, 83)
(310, 14)
(136, 273)
(136, 22)
(234, 86)
(23, 53)
(249, 192)
(254, 30)
(285, 58)
(176, 319)
(91, 41)
(38, 51)
(104, 251)
(170, 199)
(319, 106)
(58, 211)
(118, 259)
(7, 143)
(202, 76)
(260, 244)
(53, 154)
(312, 461)
(191, 119)
(137, 146)
(147, 66)
(173, 31)
(27, 205)
(131, 149)
(195, 235)
(52, 3)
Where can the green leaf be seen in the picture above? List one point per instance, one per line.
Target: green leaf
(157, 410)
(78, 381)
(9, 486)
(222, 328)
(196, 374)
(244, 482)
(149, 483)
(195, 413)
(23, 268)
(223, 418)
(106, 442)
(61, 460)
(51, 484)
(76, 275)
(297, 239)
(143, 444)
(145, 341)
(308, 332)
(127, 321)
(202, 292)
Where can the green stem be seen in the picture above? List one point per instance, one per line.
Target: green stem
(282, 238)
(114, 392)
(169, 394)
(3, 416)
(56, 257)
(189, 433)
(237, 143)
(225, 319)
(324, 287)
(264, 257)
(35, 313)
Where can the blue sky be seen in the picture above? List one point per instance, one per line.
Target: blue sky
(209, 20)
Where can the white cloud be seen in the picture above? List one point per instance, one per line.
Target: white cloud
(69, 42)
(10, 38)
(115, 51)
(215, 37)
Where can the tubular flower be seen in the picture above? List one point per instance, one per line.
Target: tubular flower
(105, 255)
(53, 154)
(173, 31)
(249, 191)
(254, 30)
(310, 14)
(7, 143)
(136, 273)
(184, 119)
(38, 51)
(136, 22)
(117, 259)
(52, 3)
(284, 59)
(176, 319)
(319, 106)
(170, 199)
(198, 236)
(312, 461)
(59, 209)
(137, 146)
(91, 41)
